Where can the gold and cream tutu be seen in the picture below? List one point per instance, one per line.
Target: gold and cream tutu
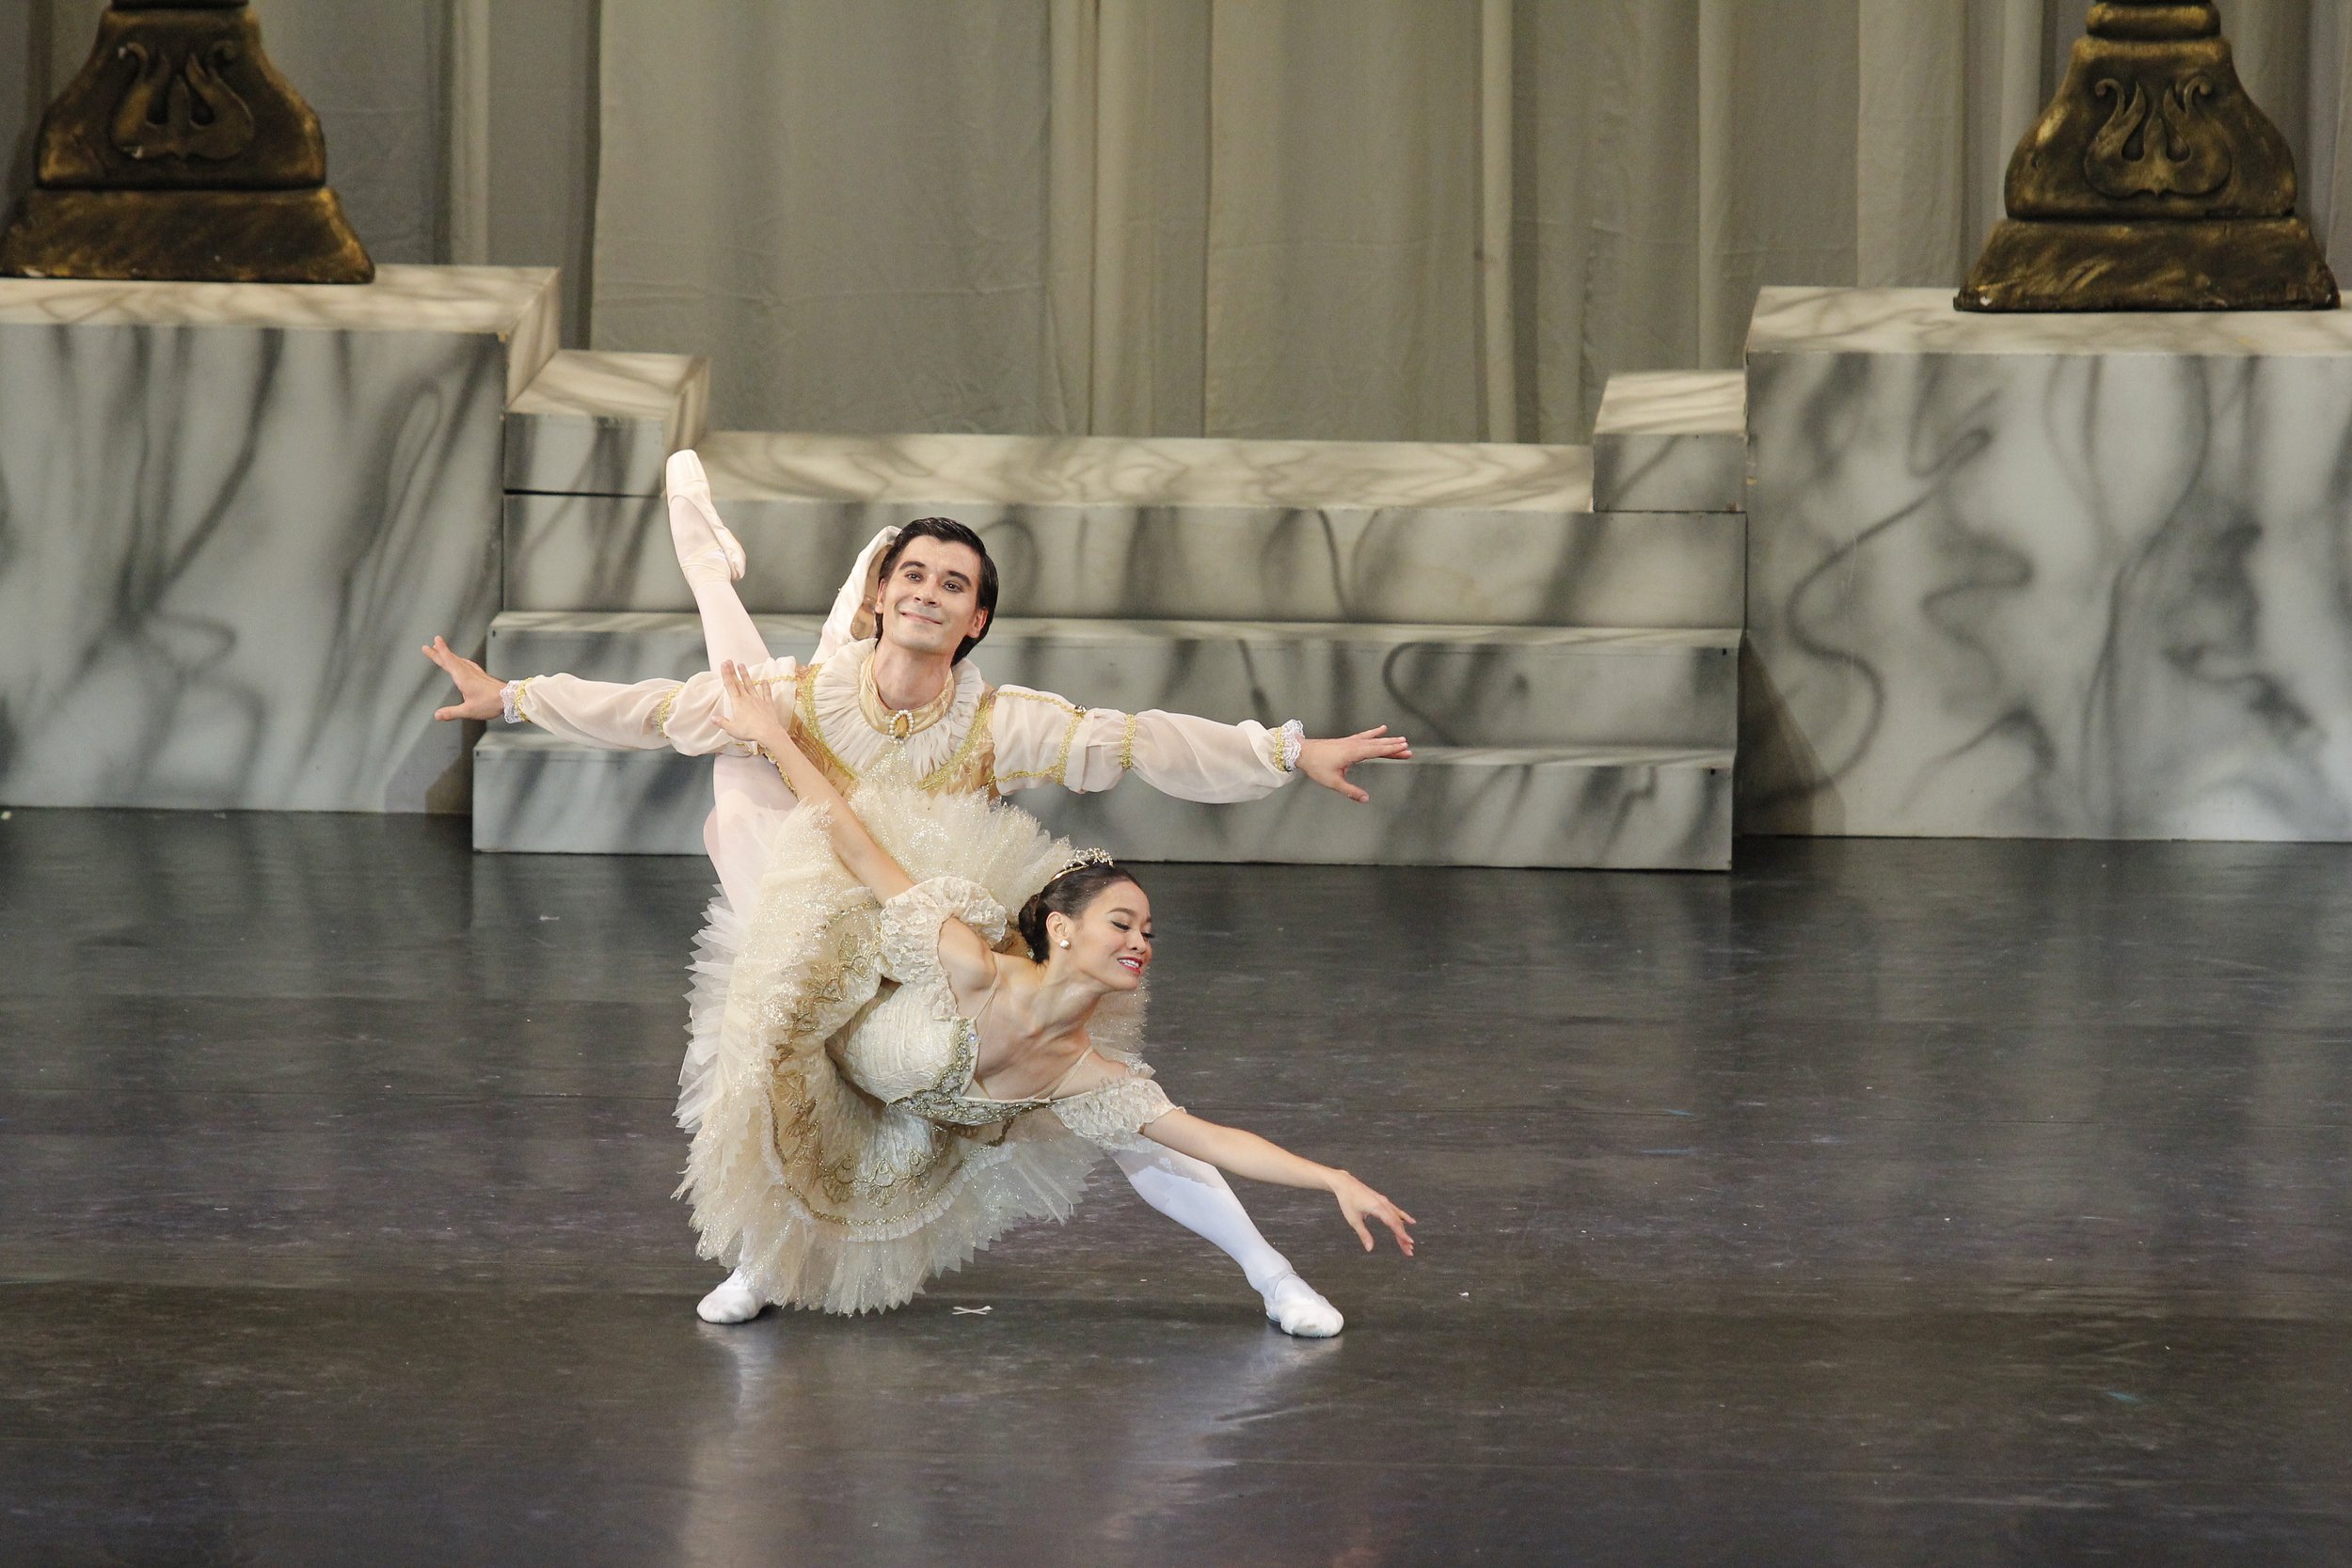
(837, 1160)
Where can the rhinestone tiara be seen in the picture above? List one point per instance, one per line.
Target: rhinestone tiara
(1083, 859)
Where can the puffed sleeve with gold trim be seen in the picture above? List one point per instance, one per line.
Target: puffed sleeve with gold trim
(1043, 739)
(645, 716)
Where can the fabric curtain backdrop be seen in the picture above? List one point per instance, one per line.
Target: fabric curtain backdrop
(1431, 219)
(1281, 218)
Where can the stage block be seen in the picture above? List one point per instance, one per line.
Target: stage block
(1621, 808)
(1387, 532)
(230, 514)
(603, 424)
(1672, 441)
(2076, 577)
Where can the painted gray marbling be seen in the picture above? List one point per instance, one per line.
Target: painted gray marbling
(1621, 808)
(1444, 686)
(230, 514)
(605, 423)
(2072, 576)
(1517, 566)
(1672, 441)
(984, 471)
(1617, 807)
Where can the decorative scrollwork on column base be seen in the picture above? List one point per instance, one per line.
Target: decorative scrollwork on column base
(2152, 182)
(179, 152)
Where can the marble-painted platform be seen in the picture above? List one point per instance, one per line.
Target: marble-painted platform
(2047, 576)
(1458, 685)
(1671, 441)
(1120, 529)
(230, 513)
(1631, 808)
(603, 424)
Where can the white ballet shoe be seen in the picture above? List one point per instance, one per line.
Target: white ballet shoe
(699, 537)
(733, 1301)
(1299, 1308)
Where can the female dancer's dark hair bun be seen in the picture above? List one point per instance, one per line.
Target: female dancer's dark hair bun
(1068, 894)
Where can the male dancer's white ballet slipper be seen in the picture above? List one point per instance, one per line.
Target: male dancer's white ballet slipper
(699, 537)
(733, 1301)
(1299, 1308)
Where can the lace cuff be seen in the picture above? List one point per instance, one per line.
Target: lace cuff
(511, 701)
(1287, 743)
(1115, 1114)
(910, 932)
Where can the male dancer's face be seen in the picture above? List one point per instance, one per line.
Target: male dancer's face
(931, 601)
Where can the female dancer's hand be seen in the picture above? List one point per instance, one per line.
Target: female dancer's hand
(747, 714)
(1361, 1203)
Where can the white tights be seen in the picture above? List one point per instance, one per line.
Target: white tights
(747, 789)
(1194, 1194)
(1191, 1192)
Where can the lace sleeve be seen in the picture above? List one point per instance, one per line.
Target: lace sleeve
(910, 932)
(1115, 1115)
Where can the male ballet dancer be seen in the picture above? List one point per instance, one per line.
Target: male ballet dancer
(890, 669)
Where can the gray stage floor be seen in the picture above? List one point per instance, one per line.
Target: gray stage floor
(1884, 1202)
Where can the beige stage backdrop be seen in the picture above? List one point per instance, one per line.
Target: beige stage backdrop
(1429, 219)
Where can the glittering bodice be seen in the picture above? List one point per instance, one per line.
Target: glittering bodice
(903, 1053)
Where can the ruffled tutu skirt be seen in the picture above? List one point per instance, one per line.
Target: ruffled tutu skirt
(824, 1196)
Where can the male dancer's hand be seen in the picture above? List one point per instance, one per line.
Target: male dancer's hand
(477, 688)
(1327, 762)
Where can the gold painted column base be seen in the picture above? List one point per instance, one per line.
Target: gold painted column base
(2213, 264)
(297, 236)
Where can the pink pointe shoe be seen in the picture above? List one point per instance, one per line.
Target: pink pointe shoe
(700, 540)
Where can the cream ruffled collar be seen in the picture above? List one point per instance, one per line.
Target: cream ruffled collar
(841, 712)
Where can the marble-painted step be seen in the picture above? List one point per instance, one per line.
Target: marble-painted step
(1459, 686)
(1492, 535)
(1621, 808)
(603, 424)
(1672, 441)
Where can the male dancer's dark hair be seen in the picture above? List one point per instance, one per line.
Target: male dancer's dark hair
(953, 532)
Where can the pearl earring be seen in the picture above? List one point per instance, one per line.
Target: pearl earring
(1065, 941)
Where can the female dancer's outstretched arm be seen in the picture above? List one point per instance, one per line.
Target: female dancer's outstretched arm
(749, 714)
(1244, 1153)
(971, 966)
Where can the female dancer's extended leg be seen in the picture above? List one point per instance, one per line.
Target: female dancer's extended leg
(1194, 1194)
(745, 789)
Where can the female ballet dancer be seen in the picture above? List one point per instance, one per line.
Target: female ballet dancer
(854, 1148)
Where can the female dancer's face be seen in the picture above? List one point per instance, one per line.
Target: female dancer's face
(1110, 941)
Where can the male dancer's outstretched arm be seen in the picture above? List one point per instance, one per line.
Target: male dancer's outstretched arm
(1045, 738)
(1039, 737)
(655, 715)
